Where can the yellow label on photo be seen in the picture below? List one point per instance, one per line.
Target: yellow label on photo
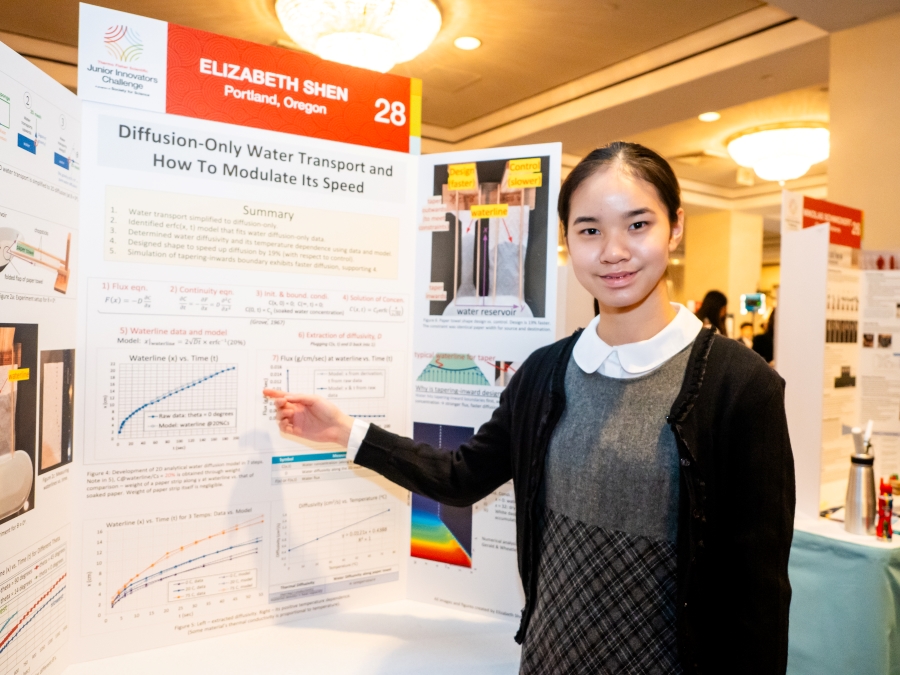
(532, 165)
(462, 176)
(524, 179)
(490, 210)
(19, 374)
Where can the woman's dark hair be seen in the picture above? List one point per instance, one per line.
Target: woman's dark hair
(711, 310)
(770, 324)
(639, 161)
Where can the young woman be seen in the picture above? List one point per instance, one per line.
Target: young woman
(653, 471)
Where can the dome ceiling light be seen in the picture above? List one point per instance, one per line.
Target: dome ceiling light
(780, 152)
(372, 34)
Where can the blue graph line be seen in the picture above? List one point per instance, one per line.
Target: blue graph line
(172, 393)
(336, 531)
(49, 601)
(132, 591)
(143, 582)
(8, 620)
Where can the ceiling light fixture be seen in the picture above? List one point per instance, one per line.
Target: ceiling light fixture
(780, 151)
(372, 34)
(467, 43)
(711, 116)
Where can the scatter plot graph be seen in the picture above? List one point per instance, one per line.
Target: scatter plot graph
(331, 544)
(33, 612)
(453, 369)
(164, 399)
(441, 533)
(143, 567)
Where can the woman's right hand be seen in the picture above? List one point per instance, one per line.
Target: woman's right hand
(310, 417)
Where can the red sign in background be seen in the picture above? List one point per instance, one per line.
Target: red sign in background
(192, 93)
(845, 223)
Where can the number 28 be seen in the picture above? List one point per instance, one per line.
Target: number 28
(390, 113)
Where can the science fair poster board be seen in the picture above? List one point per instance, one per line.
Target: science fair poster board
(251, 227)
(484, 299)
(817, 336)
(40, 174)
(879, 366)
(252, 220)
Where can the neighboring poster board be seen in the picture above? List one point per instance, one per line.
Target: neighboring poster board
(40, 175)
(817, 336)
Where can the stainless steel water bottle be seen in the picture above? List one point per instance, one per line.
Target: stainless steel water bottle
(859, 517)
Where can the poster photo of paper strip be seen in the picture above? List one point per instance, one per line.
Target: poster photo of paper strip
(18, 408)
(493, 250)
(57, 408)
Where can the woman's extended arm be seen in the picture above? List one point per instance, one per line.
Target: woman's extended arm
(457, 477)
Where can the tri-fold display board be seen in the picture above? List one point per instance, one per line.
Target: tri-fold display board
(214, 217)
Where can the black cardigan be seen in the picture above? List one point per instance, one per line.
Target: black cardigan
(737, 493)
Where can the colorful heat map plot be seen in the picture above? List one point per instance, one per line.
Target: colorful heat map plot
(441, 533)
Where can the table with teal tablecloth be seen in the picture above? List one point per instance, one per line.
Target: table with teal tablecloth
(845, 610)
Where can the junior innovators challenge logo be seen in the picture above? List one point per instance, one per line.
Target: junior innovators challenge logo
(123, 43)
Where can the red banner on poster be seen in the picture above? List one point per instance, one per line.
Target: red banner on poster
(223, 79)
(844, 222)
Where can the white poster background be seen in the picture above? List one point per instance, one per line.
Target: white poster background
(178, 346)
(40, 167)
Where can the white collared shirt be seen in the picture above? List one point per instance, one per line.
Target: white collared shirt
(593, 355)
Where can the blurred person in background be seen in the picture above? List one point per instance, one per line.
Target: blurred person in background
(713, 310)
(764, 344)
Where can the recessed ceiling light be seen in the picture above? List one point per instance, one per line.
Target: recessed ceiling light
(467, 43)
(708, 116)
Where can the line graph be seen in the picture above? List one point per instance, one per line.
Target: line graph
(453, 369)
(217, 557)
(170, 394)
(340, 529)
(335, 544)
(48, 599)
(364, 386)
(33, 613)
(143, 570)
(172, 399)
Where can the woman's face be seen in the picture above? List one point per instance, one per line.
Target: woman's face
(620, 237)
